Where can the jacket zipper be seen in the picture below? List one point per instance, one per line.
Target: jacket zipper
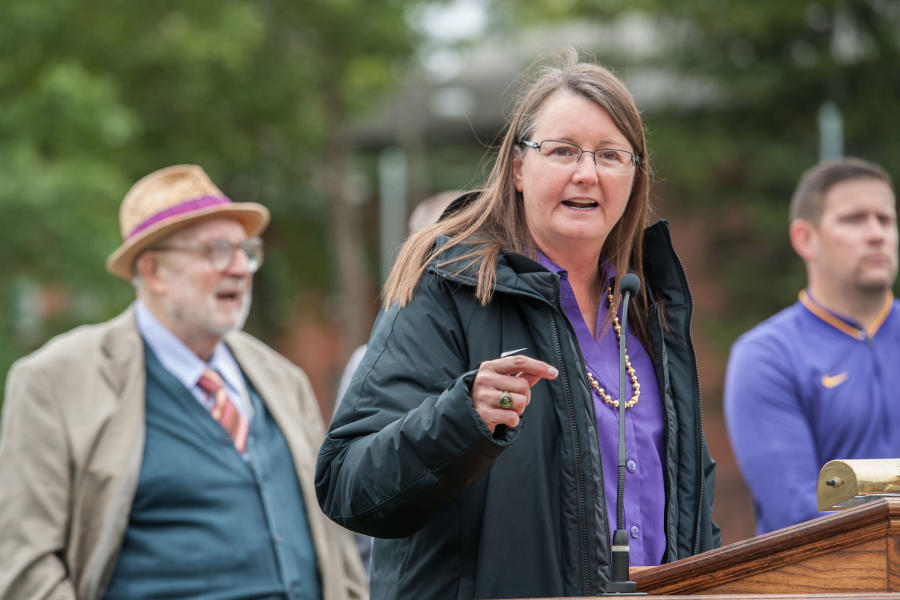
(601, 486)
(698, 433)
(579, 475)
(659, 350)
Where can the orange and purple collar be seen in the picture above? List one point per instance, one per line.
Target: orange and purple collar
(842, 323)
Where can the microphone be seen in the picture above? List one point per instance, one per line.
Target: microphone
(619, 584)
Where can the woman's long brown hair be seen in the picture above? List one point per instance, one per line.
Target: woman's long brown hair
(495, 221)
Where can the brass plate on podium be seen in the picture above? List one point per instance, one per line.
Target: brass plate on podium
(846, 483)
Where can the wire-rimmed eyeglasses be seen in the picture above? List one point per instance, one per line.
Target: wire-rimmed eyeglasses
(220, 253)
(612, 160)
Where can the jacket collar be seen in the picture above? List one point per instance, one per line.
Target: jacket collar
(279, 392)
(123, 349)
(516, 273)
(254, 366)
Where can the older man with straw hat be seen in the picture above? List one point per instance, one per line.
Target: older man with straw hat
(165, 453)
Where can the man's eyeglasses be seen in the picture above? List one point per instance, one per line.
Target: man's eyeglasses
(220, 253)
(567, 153)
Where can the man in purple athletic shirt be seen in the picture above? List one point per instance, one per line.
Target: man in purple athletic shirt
(818, 381)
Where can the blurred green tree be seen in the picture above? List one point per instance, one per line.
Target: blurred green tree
(773, 65)
(745, 82)
(96, 93)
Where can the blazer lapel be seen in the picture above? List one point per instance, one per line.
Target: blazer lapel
(283, 397)
(117, 452)
(288, 396)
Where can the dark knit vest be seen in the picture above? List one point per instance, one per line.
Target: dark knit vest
(205, 522)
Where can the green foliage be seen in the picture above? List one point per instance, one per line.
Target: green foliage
(96, 93)
(773, 65)
(736, 122)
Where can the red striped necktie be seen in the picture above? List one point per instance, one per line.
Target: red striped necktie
(223, 410)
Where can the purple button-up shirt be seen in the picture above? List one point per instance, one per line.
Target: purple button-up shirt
(644, 485)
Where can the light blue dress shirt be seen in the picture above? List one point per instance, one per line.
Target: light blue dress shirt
(187, 367)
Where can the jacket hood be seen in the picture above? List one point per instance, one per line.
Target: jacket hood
(519, 274)
(516, 273)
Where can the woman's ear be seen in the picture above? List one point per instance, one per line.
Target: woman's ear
(517, 169)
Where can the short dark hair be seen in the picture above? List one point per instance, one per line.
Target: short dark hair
(808, 200)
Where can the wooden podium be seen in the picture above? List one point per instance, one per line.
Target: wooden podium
(856, 551)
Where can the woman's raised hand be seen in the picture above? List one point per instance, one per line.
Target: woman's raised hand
(502, 388)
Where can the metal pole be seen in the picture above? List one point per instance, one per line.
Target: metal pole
(392, 195)
(831, 131)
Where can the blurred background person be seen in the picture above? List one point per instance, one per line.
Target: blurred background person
(426, 212)
(165, 453)
(818, 381)
(479, 469)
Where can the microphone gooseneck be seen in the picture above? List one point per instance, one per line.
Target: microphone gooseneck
(628, 287)
(619, 584)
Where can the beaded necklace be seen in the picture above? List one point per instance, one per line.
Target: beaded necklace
(635, 386)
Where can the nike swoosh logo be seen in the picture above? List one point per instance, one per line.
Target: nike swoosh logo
(830, 381)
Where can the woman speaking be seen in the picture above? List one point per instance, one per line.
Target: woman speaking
(477, 439)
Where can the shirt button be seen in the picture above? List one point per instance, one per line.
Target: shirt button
(631, 465)
(635, 531)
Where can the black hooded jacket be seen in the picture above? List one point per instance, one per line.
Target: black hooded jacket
(520, 513)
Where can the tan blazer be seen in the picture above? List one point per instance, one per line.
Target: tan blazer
(71, 446)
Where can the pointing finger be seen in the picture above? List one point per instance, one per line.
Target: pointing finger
(530, 368)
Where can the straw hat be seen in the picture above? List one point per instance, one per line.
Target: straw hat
(170, 199)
